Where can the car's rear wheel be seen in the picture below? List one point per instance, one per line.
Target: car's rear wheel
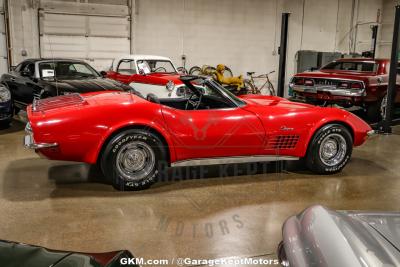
(133, 159)
(330, 149)
(376, 111)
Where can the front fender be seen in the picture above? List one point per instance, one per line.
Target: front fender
(359, 129)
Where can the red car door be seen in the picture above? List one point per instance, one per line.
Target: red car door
(214, 132)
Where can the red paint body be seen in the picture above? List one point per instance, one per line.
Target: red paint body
(375, 83)
(82, 128)
(151, 78)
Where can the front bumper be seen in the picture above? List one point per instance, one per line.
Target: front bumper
(30, 143)
(371, 133)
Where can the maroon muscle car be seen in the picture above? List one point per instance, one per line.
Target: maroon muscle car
(347, 82)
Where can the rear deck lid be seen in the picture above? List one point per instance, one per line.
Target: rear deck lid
(71, 100)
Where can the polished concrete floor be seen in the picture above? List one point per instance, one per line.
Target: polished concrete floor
(63, 206)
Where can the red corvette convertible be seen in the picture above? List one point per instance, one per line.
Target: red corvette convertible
(133, 139)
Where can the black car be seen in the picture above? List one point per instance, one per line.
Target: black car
(23, 255)
(42, 78)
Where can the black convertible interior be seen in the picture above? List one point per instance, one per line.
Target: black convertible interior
(192, 103)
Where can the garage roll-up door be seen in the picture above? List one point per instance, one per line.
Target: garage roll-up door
(94, 38)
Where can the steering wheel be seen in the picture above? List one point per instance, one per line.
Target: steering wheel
(160, 68)
(194, 101)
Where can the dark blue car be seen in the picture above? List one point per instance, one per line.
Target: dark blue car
(6, 110)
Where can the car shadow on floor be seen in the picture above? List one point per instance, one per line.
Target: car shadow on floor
(35, 178)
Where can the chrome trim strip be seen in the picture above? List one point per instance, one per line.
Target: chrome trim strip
(230, 160)
(331, 89)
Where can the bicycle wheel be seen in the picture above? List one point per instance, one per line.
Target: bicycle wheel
(182, 70)
(228, 72)
(271, 89)
(196, 70)
(209, 70)
(249, 86)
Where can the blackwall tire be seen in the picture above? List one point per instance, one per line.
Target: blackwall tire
(5, 124)
(330, 149)
(374, 110)
(133, 160)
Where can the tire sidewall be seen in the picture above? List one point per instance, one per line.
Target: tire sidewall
(110, 156)
(314, 161)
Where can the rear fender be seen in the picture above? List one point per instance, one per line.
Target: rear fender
(155, 126)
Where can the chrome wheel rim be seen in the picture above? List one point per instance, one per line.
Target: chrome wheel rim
(135, 161)
(383, 107)
(332, 150)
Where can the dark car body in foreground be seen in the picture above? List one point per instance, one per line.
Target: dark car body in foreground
(322, 237)
(14, 254)
(347, 82)
(42, 78)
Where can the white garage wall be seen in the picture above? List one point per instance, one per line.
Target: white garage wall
(241, 34)
(244, 34)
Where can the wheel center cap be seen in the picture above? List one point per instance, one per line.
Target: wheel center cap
(134, 159)
(330, 149)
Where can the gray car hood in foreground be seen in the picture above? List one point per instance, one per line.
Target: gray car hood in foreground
(321, 237)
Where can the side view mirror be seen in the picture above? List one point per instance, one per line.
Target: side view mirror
(103, 74)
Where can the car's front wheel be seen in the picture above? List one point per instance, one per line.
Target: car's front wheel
(133, 159)
(330, 149)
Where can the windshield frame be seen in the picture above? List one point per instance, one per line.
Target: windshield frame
(95, 73)
(234, 100)
(159, 60)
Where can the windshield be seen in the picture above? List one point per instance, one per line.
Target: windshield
(212, 88)
(156, 66)
(68, 70)
(352, 66)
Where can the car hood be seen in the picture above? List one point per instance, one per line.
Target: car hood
(258, 104)
(161, 78)
(322, 237)
(18, 254)
(334, 74)
(88, 85)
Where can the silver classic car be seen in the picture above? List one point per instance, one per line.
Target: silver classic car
(322, 237)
